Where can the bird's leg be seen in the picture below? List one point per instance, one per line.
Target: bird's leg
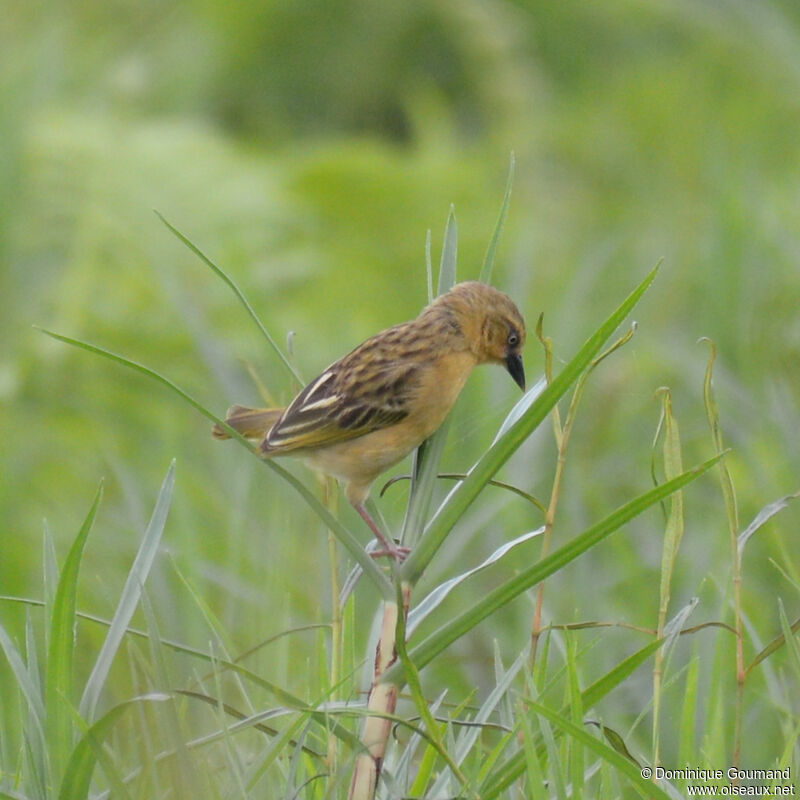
(389, 547)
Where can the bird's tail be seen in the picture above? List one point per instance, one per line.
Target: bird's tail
(252, 423)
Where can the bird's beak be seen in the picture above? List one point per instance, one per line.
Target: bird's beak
(516, 369)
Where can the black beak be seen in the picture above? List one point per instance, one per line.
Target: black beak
(516, 369)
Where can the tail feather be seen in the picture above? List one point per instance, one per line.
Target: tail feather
(252, 423)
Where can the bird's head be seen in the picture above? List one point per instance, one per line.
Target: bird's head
(492, 325)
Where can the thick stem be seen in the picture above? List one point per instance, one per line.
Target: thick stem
(382, 699)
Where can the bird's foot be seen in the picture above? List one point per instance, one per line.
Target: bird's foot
(395, 551)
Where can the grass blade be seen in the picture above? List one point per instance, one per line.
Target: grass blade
(78, 773)
(435, 598)
(447, 267)
(429, 265)
(673, 534)
(460, 498)
(61, 650)
(468, 738)
(345, 536)
(129, 598)
(488, 259)
(627, 768)
(763, 516)
(427, 650)
(424, 472)
(772, 647)
(25, 681)
(687, 747)
(237, 291)
(428, 455)
(521, 406)
(510, 770)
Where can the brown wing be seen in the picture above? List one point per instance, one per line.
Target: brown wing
(368, 389)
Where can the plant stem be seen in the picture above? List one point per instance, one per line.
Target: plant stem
(731, 507)
(382, 699)
(415, 685)
(331, 503)
(562, 436)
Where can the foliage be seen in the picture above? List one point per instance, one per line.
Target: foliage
(307, 152)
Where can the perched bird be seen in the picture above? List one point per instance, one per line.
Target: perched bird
(372, 407)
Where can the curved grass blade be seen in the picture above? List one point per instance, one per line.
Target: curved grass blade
(61, 650)
(435, 598)
(461, 497)
(439, 640)
(763, 516)
(774, 645)
(521, 406)
(78, 773)
(491, 251)
(631, 771)
(129, 598)
(345, 536)
(236, 290)
(141, 368)
(459, 476)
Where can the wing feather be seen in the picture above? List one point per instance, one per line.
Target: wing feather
(368, 389)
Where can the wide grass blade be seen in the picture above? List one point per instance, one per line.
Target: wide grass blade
(491, 252)
(61, 650)
(460, 498)
(237, 291)
(440, 639)
(129, 598)
(345, 536)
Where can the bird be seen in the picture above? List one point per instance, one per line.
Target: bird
(368, 410)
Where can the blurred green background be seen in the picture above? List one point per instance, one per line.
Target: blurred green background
(307, 148)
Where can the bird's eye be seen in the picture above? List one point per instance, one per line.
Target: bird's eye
(513, 339)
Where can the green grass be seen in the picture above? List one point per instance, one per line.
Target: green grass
(296, 745)
(308, 157)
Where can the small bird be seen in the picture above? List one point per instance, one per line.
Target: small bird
(372, 407)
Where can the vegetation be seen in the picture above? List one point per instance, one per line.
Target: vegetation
(307, 155)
